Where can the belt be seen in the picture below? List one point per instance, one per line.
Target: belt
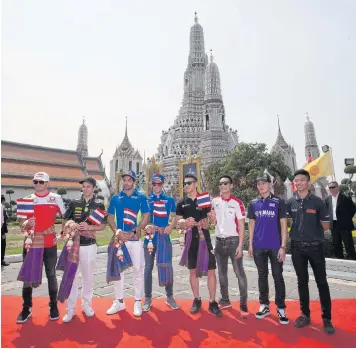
(307, 243)
(88, 242)
(227, 238)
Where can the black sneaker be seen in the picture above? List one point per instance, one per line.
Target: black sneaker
(224, 304)
(283, 320)
(53, 312)
(196, 306)
(214, 309)
(25, 314)
(302, 321)
(262, 312)
(328, 326)
(244, 310)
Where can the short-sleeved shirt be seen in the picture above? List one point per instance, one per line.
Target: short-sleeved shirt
(79, 210)
(307, 215)
(267, 214)
(134, 203)
(228, 212)
(170, 206)
(46, 209)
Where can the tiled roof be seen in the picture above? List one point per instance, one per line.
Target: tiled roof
(20, 151)
(28, 182)
(21, 168)
(96, 176)
(92, 164)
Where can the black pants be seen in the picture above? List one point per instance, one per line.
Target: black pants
(50, 261)
(343, 236)
(3, 246)
(261, 257)
(302, 253)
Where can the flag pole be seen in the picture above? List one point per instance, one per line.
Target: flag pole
(332, 162)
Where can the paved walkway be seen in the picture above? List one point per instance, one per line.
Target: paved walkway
(339, 288)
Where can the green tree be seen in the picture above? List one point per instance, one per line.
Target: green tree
(243, 165)
(62, 191)
(9, 192)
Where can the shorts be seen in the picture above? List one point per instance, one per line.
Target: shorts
(193, 251)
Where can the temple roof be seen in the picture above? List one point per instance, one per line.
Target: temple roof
(280, 142)
(126, 147)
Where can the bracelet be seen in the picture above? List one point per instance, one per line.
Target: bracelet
(283, 247)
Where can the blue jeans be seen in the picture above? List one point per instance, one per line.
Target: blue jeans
(149, 262)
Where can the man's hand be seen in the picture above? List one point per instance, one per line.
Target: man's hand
(31, 222)
(58, 239)
(281, 255)
(121, 236)
(238, 253)
(149, 229)
(168, 229)
(83, 226)
(250, 250)
(190, 222)
(212, 216)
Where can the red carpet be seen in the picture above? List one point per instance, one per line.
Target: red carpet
(163, 327)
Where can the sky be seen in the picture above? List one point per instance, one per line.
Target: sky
(108, 59)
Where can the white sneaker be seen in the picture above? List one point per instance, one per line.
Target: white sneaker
(88, 311)
(69, 316)
(137, 308)
(116, 307)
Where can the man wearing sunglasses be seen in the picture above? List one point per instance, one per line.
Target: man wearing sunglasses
(158, 195)
(341, 210)
(187, 208)
(46, 206)
(268, 235)
(229, 232)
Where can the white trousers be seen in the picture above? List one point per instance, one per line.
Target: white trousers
(135, 249)
(87, 260)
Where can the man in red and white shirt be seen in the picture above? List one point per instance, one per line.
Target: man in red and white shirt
(46, 206)
(230, 215)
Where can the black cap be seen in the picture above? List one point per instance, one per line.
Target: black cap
(89, 180)
(191, 175)
(264, 178)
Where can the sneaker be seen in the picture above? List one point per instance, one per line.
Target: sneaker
(224, 304)
(137, 308)
(25, 314)
(196, 306)
(5, 264)
(283, 320)
(116, 307)
(214, 309)
(69, 316)
(302, 321)
(172, 303)
(88, 311)
(147, 305)
(53, 312)
(328, 326)
(244, 310)
(262, 312)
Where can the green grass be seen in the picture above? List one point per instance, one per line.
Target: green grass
(14, 238)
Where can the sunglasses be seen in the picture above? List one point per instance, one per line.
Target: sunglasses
(332, 187)
(38, 182)
(188, 183)
(157, 184)
(224, 183)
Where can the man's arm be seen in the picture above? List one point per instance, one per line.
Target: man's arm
(284, 232)
(324, 215)
(111, 222)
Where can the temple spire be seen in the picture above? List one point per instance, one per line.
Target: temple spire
(82, 146)
(211, 55)
(126, 129)
(195, 17)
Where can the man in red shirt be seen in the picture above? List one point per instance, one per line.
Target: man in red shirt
(46, 206)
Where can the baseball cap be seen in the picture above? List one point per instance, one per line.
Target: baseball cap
(129, 173)
(89, 180)
(264, 178)
(158, 177)
(41, 176)
(191, 175)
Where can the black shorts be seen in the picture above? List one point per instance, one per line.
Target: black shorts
(193, 251)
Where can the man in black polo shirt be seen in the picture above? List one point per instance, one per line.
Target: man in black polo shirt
(78, 211)
(188, 209)
(310, 219)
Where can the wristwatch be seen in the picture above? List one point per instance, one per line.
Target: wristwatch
(283, 247)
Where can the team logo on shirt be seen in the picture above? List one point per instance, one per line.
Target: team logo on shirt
(51, 199)
(272, 204)
(310, 210)
(186, 205)
(265, 213)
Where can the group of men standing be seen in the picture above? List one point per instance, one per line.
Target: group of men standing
(267, 227)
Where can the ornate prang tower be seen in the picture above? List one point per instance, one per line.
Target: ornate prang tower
(186, 134)
(82, 146)
(286, 150)
(311, 146)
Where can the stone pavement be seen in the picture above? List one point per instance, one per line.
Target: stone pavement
(340, 288)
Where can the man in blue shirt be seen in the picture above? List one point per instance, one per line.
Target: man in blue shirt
(126, 206)
(158, 196)
(268, 235)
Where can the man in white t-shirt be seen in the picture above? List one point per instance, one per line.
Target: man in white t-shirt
(230, 215)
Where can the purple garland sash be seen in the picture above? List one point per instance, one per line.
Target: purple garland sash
(164, 260)
(114, 265)
(31, 269)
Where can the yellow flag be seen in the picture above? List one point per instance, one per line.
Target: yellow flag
(320, 167)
